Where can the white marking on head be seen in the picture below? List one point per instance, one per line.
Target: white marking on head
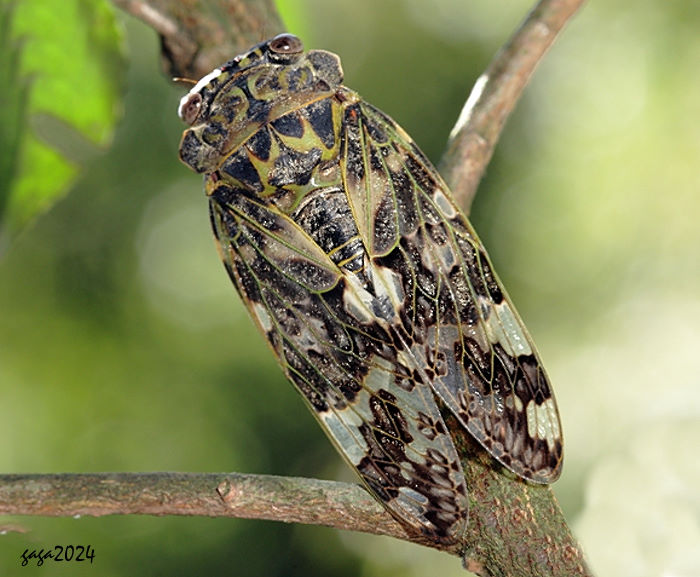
(196, 88)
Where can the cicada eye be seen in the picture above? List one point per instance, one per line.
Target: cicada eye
(285, 48)
(190, 106)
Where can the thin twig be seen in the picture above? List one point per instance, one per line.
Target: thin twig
(495, 94)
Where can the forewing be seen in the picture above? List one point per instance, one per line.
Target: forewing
(345, 362)
(455, 318)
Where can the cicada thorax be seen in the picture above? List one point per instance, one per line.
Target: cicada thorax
(272, 132)
(292, 164)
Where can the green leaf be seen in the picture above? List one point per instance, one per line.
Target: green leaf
(61, 72)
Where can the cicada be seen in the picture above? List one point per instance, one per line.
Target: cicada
(367, 280)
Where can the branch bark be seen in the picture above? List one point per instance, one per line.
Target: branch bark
(287, 499)
(495, 93)
(516, 528)
(198, 35)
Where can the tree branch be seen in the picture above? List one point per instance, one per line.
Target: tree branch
(197, 36)
(494, 96)
(287, 499)
(515, 528)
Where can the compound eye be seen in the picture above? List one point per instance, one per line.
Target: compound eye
(190, 106)
(285, 48)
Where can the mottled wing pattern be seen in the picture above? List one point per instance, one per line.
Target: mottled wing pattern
(346, 362)
(452, 313)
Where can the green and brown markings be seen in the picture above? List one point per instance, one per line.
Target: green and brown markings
(368, 281)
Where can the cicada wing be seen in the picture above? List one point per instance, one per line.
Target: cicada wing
(457, 321)
(363, 390)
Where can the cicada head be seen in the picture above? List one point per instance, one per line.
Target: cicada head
(232, 102)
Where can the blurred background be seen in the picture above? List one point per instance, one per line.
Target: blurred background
(123, 346)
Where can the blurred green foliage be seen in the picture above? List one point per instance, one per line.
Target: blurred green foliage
(62, 72)
(123, 346)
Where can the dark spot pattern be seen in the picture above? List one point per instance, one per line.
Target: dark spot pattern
(293, 166)
(320, 117)
(238, 166)
(289, 125)
(259, 144)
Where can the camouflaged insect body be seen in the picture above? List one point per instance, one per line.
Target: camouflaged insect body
(369, 283)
